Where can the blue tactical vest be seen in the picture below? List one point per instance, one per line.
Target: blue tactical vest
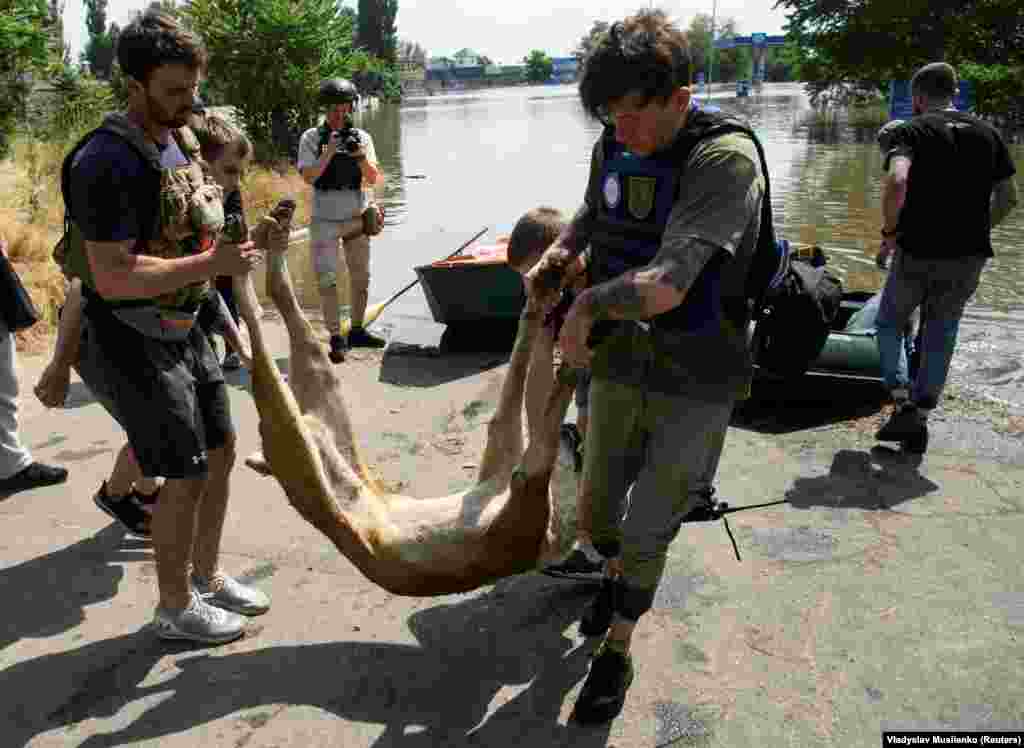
(342, 173)
(635, 198)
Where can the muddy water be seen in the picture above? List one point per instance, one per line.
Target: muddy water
(458, 163)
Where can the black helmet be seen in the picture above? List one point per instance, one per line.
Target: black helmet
(337, 91)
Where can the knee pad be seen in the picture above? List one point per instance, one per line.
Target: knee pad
(328, 279)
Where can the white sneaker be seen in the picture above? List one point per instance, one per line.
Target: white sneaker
(199, 622)
(228, 593)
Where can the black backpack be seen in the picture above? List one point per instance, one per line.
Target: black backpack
(792, 301)
(796, 318)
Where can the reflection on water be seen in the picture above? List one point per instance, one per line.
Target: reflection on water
(457, 163)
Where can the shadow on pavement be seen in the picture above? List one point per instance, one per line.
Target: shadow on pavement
(782, 407)
(53, 590)
(434, 693)
(411, 370)
(881, 479)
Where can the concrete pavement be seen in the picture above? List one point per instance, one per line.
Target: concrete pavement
(887, 593)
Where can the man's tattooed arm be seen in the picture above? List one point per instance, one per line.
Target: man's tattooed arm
(652, 290)
(576, 234)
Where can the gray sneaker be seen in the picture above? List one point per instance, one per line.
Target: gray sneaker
(230, 594)
(199, 622)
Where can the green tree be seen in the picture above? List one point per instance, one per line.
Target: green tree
(377, 32)
(100, 50)
(831, 39)
(306, 41)
(24, 50)
(588, 42)
(538, 66)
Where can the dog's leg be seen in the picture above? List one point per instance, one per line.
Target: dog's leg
(504, 445)
(314, 380)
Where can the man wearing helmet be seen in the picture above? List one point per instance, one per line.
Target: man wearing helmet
(340, 162)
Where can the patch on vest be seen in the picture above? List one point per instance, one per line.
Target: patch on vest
(640, 196)
(612, 191)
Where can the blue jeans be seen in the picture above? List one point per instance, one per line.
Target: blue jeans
(941, 288)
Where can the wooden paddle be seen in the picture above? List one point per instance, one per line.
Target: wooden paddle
(373, 311)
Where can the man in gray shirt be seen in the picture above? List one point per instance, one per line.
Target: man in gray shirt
(340, 172)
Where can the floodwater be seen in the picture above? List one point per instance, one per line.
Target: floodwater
(460, 162)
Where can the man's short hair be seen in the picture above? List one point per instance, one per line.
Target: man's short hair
(534, 232)
(645, 52)
(937, 80)
(216, 134)
(156, 38)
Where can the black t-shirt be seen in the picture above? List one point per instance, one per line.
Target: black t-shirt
(114, 191)
(956, 160)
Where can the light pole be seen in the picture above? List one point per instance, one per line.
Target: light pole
(711, 54)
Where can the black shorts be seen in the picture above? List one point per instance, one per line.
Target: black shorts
(169, 397)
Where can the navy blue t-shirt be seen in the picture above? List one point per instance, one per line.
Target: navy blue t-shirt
(114, 192)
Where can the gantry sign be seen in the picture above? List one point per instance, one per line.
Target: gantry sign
(759, 44)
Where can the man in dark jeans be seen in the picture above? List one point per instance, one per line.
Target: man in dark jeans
(148, 219)
(949, 182)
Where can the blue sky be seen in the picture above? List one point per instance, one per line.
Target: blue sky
(504, 31)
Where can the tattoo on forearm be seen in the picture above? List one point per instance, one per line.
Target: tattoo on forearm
(679, 265)
(619, 298)
(576, 235)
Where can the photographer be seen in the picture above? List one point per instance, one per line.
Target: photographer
(340, 162)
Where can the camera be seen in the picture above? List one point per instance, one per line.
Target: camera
(348, 138)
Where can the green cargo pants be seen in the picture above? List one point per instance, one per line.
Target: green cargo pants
(649, 459)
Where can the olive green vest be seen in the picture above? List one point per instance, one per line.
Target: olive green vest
(190, 216)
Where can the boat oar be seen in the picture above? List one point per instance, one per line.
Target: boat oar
(373, 311)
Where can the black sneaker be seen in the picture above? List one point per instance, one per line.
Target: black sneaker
(125, 510)
(576, 566)
(604, 692)
(917, 444)
(905, 424)
(35, 475)
(338, 346)
(360, 338)
(598, 617)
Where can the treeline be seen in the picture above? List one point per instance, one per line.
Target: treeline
(850, 50)
(723, 64)
(306, 41)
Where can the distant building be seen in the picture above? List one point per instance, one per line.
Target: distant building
(467, 58)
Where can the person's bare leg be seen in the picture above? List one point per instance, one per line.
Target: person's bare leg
(174, 526)
(212, 510)
(357, 260)
(583, 534)
(330, 307)
(124, 474)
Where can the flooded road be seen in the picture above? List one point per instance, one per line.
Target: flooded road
(457, 163)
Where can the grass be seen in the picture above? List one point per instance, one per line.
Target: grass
(32, 220)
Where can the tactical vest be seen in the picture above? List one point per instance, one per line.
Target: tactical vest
(187, 220)
(633, 206)
(342, 173)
